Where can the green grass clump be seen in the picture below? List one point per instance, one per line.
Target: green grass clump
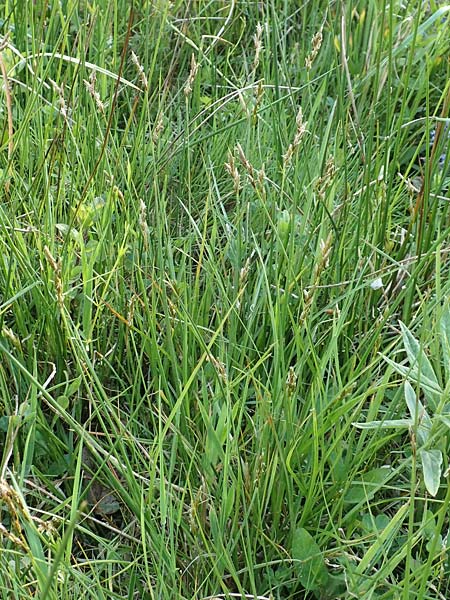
(224, 302)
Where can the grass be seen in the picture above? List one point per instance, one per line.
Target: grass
(202, 291)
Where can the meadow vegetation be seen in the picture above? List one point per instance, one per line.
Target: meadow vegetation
(224, 299)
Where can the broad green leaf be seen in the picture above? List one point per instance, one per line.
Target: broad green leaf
(66, 230)
(382, 521)
(309, 562)
(417, 355)
(73, 386)
(418, 414)
(432, 469)
(430, 388)
(63, 401)
(429, 525)
(419, 361)
(370, 483)
(371, 523)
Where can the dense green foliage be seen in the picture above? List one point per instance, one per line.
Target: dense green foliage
(225, 333)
